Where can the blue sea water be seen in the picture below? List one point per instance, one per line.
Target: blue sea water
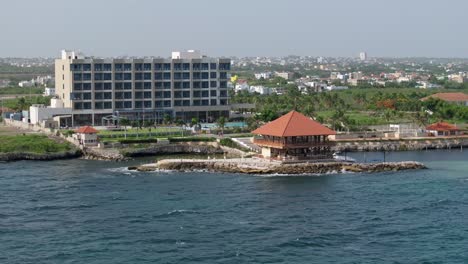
(78, 211)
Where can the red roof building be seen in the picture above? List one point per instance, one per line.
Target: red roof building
(294, 136)
(459, 98)
(86, 130)
(442, 129)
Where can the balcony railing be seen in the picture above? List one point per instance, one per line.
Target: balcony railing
(280, 145)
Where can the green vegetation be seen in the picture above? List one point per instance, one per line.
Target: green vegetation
(23, 103)
(191, 139)
(354, 109)
(36, 144)
(21, 90)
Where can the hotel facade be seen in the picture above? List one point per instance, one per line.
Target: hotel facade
(185, 86)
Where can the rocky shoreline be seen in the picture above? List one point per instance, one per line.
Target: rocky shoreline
(258, 166)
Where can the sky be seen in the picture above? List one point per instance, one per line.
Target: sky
(335, 28)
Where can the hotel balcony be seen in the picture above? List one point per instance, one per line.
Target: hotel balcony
(280, 145)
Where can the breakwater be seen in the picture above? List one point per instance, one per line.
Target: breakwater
(259, 166)
(401, 144)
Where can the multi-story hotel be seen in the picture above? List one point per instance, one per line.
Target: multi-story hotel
(185, 86)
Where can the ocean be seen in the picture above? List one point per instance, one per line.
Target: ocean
(78, 211)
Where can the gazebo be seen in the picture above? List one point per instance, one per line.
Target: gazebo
(87, 136)
(294, 137)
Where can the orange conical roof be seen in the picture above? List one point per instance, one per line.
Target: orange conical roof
(293, 124)
(86, 130)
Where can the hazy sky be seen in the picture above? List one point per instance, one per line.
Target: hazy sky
(431, 28)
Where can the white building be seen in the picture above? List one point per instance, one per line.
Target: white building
(26, 84)
(264, 75)
(40, 113)
(260, 89)
(336, 88)
(284, 75)
(363, 56)
(242, 86)
(49, 91)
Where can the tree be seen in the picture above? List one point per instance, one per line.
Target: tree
(221, 122)
(194, 121)
(124, 122)
(167, 119)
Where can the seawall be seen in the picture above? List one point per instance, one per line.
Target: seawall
(401, 144)
(16, 156)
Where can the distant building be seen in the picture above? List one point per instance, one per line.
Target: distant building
(26, 84)
(458, 78)
(442, 129)
(336, 88)
(263, 75)
(456, 98)
(285, 75)
(48, 91)
(260, 89)
(363, 56)
(86, 136)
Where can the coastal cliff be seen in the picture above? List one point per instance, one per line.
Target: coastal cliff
(257, 166)
(16, 156)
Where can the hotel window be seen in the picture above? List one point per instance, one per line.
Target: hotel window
(204, 75)
(118, 105)
(205, 84)
(107, 77)
(186, 66)
(167, 103)
(186, 85)
(118, 67)
(107, 96)
(222, 84)
(139, 95)
(213, 75)
(78, 105)
(159, 104)
(138, 76)
(158, 66)
(119, 86)
(186, 94)
(98, 86)
(196, 94)
(107, 67)
(138, 104)
(86, 76)
(127, 104)
(167, 85)
(158, 95)
(87, 86)
(223, 102)
(138, 85)
(147, 104)
(213, 66)
(127, 95)
(147, 76)
(213, 102)
(76, 67)
(138, 66)
(98, 105)
(177, 85)
(167, 94)
(118, 76)
(77, 86)
(225, 66)
(167, 66)
(98, 67)
(87, 67)
(178, 103)
(127, 67)
(127, 86)
(147, 95)
(87, 105)
(205, 102)
(223, 75)
(77, 76)
(147, 86)
(196, 66)
(98, 76)
(213, 93)
(205, 94)
(158, 76)
(127, 76)
(177, 66)
(167, 76)
(186, 103)
(178, 94)
(223, 93)
(186, 75)
(107, 105)
(147, 66)
(86, 96)
(196, 85)
(204, 66)
(177, 75)
(196, 102)
(119, 95)
(158, 85)
(196, 75)
(98, 96)
(107, 86)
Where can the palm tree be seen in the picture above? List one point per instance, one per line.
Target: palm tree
(221, 122)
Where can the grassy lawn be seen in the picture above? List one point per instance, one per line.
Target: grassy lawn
(141, 131)
(38, 144)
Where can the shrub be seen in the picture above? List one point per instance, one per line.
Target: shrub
(138, 140)
(192, 139)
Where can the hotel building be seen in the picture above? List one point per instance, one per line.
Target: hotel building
(185, 86)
